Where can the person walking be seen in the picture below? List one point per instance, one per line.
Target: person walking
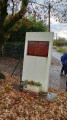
(64, 63)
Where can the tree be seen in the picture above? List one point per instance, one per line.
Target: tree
(12, 19)
(5, 24)
(56, 9)
(32, 8)
(3, 13)
(19, 29)
(14, 6)
(45, 10)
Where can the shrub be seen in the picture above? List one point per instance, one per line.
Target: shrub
(32, 83)
(61, 50)
(37, 84)
(58, 43)
(18, 31)
(2, 75)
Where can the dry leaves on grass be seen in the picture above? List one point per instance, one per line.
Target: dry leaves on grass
(16, 105)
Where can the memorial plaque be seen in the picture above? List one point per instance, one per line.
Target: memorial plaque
(38, 48)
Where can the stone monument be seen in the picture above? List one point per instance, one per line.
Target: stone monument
(37, 58)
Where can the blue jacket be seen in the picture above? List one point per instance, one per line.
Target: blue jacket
(64, 59)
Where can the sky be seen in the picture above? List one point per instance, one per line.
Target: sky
(59, 29)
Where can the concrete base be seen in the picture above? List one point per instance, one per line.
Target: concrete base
(32, 88)
(49, 96)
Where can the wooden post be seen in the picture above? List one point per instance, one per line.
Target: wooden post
(49, 17)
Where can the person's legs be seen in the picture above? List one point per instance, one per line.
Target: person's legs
(65, 70)
(62, 69)
(66, 85)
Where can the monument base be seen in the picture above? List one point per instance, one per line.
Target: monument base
(49, 96)
(32, 88)
(45, 95)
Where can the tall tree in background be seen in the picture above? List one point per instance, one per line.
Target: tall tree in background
(14, 6)
(5, 24)
(12, 19)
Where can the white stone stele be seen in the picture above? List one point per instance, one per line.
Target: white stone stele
(36, 68)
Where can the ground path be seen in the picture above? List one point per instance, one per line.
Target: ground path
(55, 80)
(56, 55)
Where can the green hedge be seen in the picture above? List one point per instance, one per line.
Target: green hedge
(58, 43)
(13, 50)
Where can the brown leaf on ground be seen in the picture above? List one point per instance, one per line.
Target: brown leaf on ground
(16, 105)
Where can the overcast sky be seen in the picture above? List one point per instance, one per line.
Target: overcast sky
(59, 29)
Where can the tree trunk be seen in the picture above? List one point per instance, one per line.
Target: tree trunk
(5, 25)
(3, 13)
(14, 18)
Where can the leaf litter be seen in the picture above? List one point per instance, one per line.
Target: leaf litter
(17, 105)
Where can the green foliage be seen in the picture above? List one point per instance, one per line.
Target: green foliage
(37, 26)
(61, 50)
(32, 83)
(14, 31)
(13, 50)
(2, 75)
(18, 31)
(37, 84)
(12, 19)
(6, 24)
(58, 43)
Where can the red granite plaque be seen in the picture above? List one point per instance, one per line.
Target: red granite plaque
(38, 48)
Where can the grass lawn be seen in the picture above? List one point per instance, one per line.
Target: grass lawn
(60, 49)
